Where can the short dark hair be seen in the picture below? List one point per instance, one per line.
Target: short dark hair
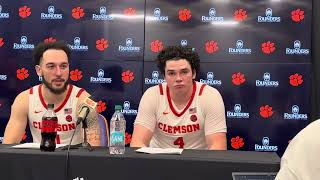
(177, 53)
(43, 46)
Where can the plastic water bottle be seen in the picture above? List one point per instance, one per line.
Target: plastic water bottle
(117, 132)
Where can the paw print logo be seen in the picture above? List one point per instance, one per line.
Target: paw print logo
(297, 15)
(1, 42)
(50, 40)
(211, 47)
(237, 142)
(22, 74)
(75, 75)
(184, 14)
(238, 78)
(77, 12)
(268, 47)
(102, 44)
(24, 12)
(296, 79)
(129, 11)
(240, 15)
(127, 76)
(156, 46)
(266, 111)
(101, 106)
(128, 138)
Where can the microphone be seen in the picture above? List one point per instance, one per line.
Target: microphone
(85, 108)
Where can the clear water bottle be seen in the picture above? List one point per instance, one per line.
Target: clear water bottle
(117, 132)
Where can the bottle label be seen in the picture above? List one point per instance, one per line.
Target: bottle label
(117, 137)
(49, 126)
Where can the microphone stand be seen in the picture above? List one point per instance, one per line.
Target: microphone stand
(84, 145)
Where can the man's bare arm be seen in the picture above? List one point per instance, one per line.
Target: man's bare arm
(18, 119)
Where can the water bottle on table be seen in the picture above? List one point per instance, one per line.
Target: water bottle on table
(117, 132)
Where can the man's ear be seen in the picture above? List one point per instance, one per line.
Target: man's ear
(38, 70)
(194, 74)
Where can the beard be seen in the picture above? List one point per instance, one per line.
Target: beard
(55, 90)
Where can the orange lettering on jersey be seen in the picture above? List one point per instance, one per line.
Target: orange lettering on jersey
(179, 129)
(60, 127)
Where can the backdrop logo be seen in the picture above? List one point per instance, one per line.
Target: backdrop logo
(157, 15)
(297, 15)
(23, 44)
(297, 49)
(239, 48)
(156, 46)
(236, 113)
(265, 145)
(268, 47)
(3, 77)
(77, 13)
(76, 46)
(295, 114)
(295, 80)
(102, 44)
(129, 11)
(237, 142)
(210, 80)
(40, 78)
(211, 47)
(266, 81)
(24, 12)
(103, 16)
(269, 18)
(51, 14)
(184, 14)
(22, 74)
(76, 75)
(238, 78)
(127, 110)
(155, 79)
(101, 106)
(266, 111)
(3, 15)
(184, 42)
(240, 15)
(1, 42)
(212, 16)
(129, 47)
(49, 40)
(127, 76)
(100, 78)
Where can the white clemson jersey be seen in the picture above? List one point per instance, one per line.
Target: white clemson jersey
(204, 114)
(66, 114)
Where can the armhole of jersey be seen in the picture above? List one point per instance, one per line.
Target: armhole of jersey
(201, 89)
(31, 90)
(79, 92)
(161, 89)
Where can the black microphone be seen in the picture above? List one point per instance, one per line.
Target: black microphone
(85, 108)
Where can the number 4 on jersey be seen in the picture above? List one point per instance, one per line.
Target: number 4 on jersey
(179, 142)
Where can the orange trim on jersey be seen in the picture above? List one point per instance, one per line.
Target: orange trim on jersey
(63, 103)
(161, 89)
(201, 89)
(31, 90)
(188, 105)
(79, 93)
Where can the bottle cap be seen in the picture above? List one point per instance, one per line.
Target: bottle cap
(50, 106)
(117, 108)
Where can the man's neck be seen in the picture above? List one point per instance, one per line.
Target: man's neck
(52, 98)
(181, 99)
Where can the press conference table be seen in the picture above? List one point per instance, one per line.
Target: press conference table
(32, 164)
